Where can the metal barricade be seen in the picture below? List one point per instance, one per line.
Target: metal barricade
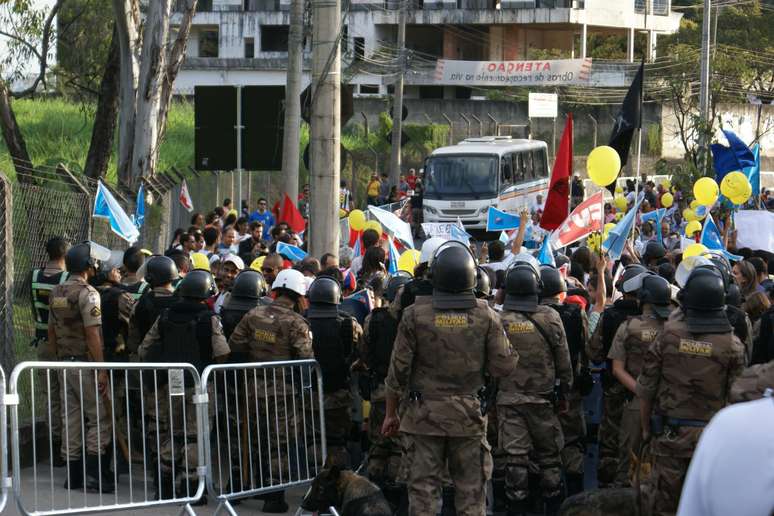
(5, 480)
(267, 427)
(131, 436)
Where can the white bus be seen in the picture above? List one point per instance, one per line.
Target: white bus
(464, 180)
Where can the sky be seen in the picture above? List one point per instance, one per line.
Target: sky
(30, 66)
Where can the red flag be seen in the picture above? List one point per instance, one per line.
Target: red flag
(290, 214)
(558, 201)
(584, 219)
(185, 197)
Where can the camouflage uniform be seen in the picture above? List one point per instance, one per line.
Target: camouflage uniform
(268, 334)
(688, 378)
(527, 423)
(127, 308)
(753, 383)
(74, 306)
(172, 426)
(438, 363)
(630, 344)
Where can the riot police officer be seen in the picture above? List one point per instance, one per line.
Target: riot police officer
(525, 403)
(737, 317)
(43, 281)
(160, 273)
(654, 252)
(483, 284)
(444, 345)
(189, 332)
(74, 334)
(576, 329)
(249, 291)
(133, 259)
(114, 328)
(685, 379)
(630, 344)
(335, 337)
(613, 392)
(420, 285)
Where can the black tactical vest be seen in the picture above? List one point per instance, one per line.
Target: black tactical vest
(414, 288)
(232, 312)
(112, 327)
(41, 289)
(332, 344)
(737, 319)
(573, 327)
(148, 309)
(186, 334)
(382, 330)
(614, 316)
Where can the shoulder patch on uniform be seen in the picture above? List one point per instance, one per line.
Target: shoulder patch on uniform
(58, 302)
(648, 335)
(521, 327)
(695, 347)
(451, 320)
(265, 336)
(95, 312)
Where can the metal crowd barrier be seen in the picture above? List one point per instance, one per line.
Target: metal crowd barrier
(144, 418)
(5, 480)
(266, 428)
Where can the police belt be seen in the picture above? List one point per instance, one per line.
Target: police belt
(676, 421)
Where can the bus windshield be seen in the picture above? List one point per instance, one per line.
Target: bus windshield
(461, 177)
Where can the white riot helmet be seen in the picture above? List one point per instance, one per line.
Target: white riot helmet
(292, 280)
(429, 248)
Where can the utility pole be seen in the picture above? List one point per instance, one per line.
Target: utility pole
(291, 139)
(704, 82)
(325, 127)
(397, 103)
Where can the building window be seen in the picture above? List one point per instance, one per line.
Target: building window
(274, 38)
(203, 5)
(369, 89)
(359, 48)
(208, 43)
(345, 39)
(249, 48)
(431, 92)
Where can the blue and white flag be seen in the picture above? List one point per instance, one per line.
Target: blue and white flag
(139, 209)
(655, 217)
(457, 232)
(498, 220)
(753, 173)
(546, 255)
(291, 252)
(106, 207)
(616, 238)
(357, 250)
(713, 240)
(504, 237)
(393, 257)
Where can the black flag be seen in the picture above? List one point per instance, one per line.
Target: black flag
(629, 118)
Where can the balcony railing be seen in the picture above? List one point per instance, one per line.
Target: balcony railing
(657, 7)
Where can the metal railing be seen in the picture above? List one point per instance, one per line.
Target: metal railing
(268, 427)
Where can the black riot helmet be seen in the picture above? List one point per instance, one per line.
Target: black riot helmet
(629, 272)
(655, 291)
(523, 284)
(483, 284)
(86, 255)
(249, 284)
(703, 299)
(734, 296)
(324, 295)
(453, 276)
(553, 282)
(395, 282)
(160, 270)
(723, 266)
(197, 284)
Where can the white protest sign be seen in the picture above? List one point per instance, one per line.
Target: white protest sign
(543, 105)
(755, 229)
(438, 229)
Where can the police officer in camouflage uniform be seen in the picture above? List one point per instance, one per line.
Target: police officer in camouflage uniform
(186, 332)
(754, 383)
(249, 291)
(737, 317)
(525, 401)
(335, 337)
(445, 344)
(43, 281)
(686, 378)
(160, 273)
(630, 344)
(573, 423)
(614, 394)
(273, 333)
(74, 334)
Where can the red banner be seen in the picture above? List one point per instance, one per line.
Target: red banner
(586, 218)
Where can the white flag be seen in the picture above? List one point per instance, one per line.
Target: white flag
(185, 197)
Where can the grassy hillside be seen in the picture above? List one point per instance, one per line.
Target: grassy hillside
(57, 130)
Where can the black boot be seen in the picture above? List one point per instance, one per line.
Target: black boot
(275, 503)
(75, 475)
(499, 501)
(518, 507)
(193, 483)
(447, 498)
(164, 486)
(397, 497)
(94, 475)
(552, 505)
(574, 483)
(56, 454)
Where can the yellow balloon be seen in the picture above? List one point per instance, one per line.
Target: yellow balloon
(594, 241)
(706, 191)
(357, 220)
(342, 213)
(200, 261)
(374, 224)
(689, 215)
(408, 260)
(620, 202)
(734, 184)
(257, 263)
(609, 226)
(667, 200)
(692, 227)
(603, 165)
(694, 250)
(744, 195)
(619, 189)
(694, 204)
(618, 216)
(667, 184)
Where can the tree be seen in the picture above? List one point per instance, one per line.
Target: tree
(150, 58)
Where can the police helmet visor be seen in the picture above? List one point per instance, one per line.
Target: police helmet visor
(526, 258)
(687, 266)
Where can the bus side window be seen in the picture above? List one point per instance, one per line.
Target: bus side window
(507, 170)
(529, 171)
(539, 161)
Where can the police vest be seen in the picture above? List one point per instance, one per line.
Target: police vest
(233, 311)
(41, 290)
(112, 327)
(136, 290)
(382, 330)
(573, 327)
(615, 316)
(186, 334)
(148, 309)
(737, 319)
(332, 344)
(414, 288)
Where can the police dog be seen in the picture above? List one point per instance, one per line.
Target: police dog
(348, 492)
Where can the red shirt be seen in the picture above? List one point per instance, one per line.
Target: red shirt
(412, 181)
